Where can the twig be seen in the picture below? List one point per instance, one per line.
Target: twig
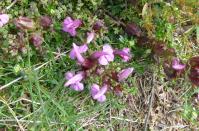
(29, 121)
(15, 1)
(123, 119)
(150, 107)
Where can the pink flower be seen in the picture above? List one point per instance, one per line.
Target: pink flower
(176, 65)
(76, 52)
(70, 25)
(4, 18)
(90, 37)
(106, 55)
(122, 75)
(124, 54)
(97, 93)
(74, 80)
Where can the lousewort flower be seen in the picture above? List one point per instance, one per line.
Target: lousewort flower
(124, 54)
(176, 65)
(70, 25)
(24, 23)
(74, 80)
(36, 39)
(45, 21)
(76, 52)
(97, 93)
(4, 18)
(106, 55)
(90, 37)
(122, 75)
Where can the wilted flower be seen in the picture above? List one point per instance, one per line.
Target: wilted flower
(176, 65)
(70, 25)
(36, 39)
(45, 21)
(122, 75)
(106, 55)
(90, 37)
(98, 25)
(74, 80)
(4, 18)
(76, 52)
(194, 71)
(97, 93)
(24, 23)
(133, 30)
(124, 54)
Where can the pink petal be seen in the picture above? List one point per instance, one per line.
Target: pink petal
(74, 79)
(98, 54)
(90, 37)
(176, 64)
(101, 92)
(69, 75)
(94, 89)
(103, 61)
(77, 87)
(81, 49)
(77, 53)
(124, 74)
(4, 18)
(107, 48)
(101, 99)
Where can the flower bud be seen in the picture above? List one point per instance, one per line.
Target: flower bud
(36, 39)
(45, 21)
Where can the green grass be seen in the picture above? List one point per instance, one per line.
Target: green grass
(39, 101)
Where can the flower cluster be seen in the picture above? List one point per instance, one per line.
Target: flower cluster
(95, 63)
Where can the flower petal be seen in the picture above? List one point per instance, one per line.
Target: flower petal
(4, 18)
(101, 92)
(77, 53)
(176, 64)
(77, 87)
(90, 37)
(103, 61)
(101, 99)
(94, 89)
(69, 75)
(74, 79)
(124, 74)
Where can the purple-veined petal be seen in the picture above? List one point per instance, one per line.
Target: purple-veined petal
(77, 87)
(76, 78)
(90, 37)
(101, 92)
(94, 89)
(176, 64)
(124, 74)
(80, 58)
